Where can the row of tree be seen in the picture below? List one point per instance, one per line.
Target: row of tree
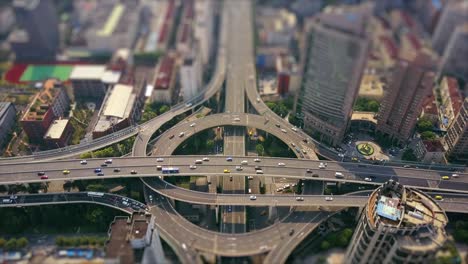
(56, 218)
(63, 241)
(116, 150)
(13, 243)
(337, 239)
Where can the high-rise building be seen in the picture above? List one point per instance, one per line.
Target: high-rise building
(38, 37)
(398, 225)
(456, 52)
(204, 17)
(454, 13)
(191, 76)
(403, 100)
(337, 55)
(456, 139)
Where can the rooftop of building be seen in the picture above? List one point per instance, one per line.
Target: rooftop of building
(368, 116)
(139, 226)
(346, 18)
(88, 72)
(56, 129)
(117, 106)
(433, 146)
(429, 105)
(402, 208)
(165, 72)
(42, 101)
(456, 97)
(117, 246)
(102, 19)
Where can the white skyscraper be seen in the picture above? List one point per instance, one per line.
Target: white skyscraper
(191, 76)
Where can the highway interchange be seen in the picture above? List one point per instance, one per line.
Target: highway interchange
(235, 53)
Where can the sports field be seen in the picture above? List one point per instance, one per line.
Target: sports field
(43, 72)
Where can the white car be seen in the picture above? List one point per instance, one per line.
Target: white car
(299, 198)
(236, 119)
(281, 164)
(253, 197)
(206, 159)
(192, 167)
(280, 189)
(294, 129)
(284, 130)
(192, 125)
(239, 168)
(188, 104)
(181, 134)
(244, 162)
(322, 165)
(257, 160)
(367, 179)
(329, 198)
(455, 175)
(83, 162)
(159, 160)
(250, 177)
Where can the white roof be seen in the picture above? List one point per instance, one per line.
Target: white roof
(118, 101)
(88, 72)
(111, 77)
(56, 129)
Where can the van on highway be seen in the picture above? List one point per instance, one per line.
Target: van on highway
(339, 175)
(244, 162)
(198, 161)
(259, 172)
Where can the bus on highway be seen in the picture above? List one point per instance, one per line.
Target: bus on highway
(168, 170)
(96, 194)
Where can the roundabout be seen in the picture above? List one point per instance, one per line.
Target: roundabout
(365, 149)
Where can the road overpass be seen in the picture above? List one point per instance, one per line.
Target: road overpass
(118, 202)
(294, 168)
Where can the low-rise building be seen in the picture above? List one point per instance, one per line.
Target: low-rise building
(7, 120)
(92, 80)
(451, 101)
(117, 112)
(164, 80)
(59, 133)
(429, 108)
(430, 151)
(50, 103)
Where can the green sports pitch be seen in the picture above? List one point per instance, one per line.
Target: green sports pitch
(43, 72)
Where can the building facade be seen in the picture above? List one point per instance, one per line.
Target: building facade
(38, 38)
(7, 120)
(411, 83)
(337, 55)
(191, 77)
(164, 82)
(454, 13)
(398, 225)
(430, 151)
(456, 52)
(456, 139)
(59, 133)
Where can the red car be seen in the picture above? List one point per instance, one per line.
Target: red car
(44, 177)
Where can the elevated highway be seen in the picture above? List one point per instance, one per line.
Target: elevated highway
(293, 168)
(118, 202)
